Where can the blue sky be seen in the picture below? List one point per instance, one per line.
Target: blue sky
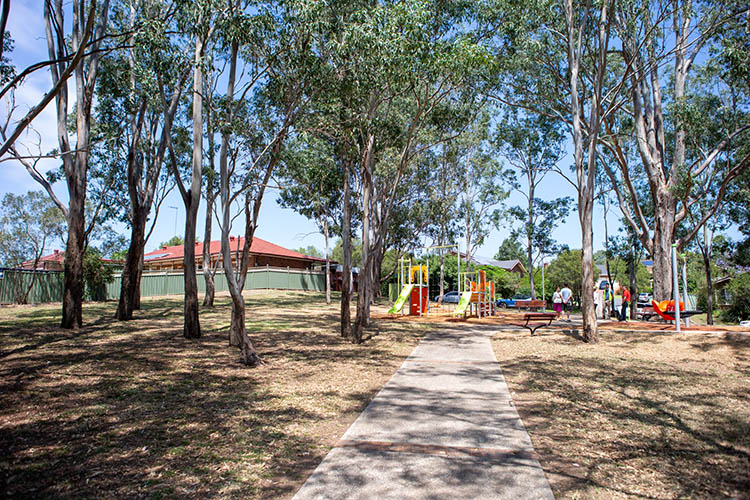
(281, 226)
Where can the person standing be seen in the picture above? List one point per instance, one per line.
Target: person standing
(567, 295)
(557, 301)
(598, 301)
(607, 309)
(625, 304)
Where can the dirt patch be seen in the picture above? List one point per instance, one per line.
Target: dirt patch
(132, 409)
(638, 415)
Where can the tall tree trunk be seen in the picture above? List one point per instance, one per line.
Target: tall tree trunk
(365, 273)
(137, 290)
(208, 298)
(606, 266)
(709, 286)
(632, 268)
(586, 168)
(129, 287)
(208, 275)
(72, 314)
(192, 328)
(662, 244)
(346, 243)
(328, 262)
(237, 330)
(75, 162)
(529, 241)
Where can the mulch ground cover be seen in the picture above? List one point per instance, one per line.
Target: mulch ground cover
(134, 410)
(637, 415)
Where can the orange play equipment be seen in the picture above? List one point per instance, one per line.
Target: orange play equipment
(665, 309)
(483, 295)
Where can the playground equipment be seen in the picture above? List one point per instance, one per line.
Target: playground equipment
(477, 294)
(414, 282)
(478, 297)
(667, 311)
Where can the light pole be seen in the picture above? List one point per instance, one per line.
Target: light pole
(175, 219)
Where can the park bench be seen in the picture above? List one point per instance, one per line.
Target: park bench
(645, 313)
(531, 304)
(534, 321)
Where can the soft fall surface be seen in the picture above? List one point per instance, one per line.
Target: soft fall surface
(134, 410)
(637, 415)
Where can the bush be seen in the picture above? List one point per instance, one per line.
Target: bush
(739, 302)
(96, 275)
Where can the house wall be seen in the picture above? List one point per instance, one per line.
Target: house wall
(255, 260)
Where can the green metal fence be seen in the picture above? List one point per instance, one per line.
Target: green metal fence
(48, 287)
(45, 286)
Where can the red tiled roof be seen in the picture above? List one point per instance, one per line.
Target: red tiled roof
(58, 256)
(258, 246)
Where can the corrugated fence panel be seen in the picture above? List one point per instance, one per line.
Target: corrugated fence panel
(48, 287)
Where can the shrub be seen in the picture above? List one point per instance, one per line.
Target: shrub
(96, 275)
(739, 302)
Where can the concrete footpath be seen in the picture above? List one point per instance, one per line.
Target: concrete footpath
(444, 426)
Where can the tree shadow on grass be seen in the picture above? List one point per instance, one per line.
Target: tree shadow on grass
(131, 409)
(634, 415)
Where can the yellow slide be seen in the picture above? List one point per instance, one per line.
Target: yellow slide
(463, 304)
(401, 300)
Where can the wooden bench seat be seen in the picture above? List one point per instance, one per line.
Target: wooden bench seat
(645, 313)
(531, 304)
(534, 321)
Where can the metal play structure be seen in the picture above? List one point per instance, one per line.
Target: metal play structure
(477, 295)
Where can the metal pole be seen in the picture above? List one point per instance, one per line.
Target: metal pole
(684, 286)
(676, 288)
(543, 294)
(458, 267)
(428, 285)
(419, 270)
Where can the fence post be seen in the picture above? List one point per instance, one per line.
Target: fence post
(288, 279)
(268, 278)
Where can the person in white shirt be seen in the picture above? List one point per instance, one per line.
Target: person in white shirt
(557, 301)
(567, 296)
(598, 299)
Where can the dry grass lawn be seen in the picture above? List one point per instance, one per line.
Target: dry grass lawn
(133, 410)
(638, 415)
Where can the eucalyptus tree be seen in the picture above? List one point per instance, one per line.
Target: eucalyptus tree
(198, 20)
(533, 146)
(405, 83)
(90, 19)
(561, 69)
(268, 77)
(311, 185)
(660, 44)
(129, 90)
(708, 203)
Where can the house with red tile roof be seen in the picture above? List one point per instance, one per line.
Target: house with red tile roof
(54, 262)
(262, 254)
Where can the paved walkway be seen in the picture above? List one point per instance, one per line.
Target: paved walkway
(443, 427)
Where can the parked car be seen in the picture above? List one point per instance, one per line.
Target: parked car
(511, 302)
(644, 297)
(449, 297)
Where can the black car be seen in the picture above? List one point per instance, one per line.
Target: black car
(449, 297)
